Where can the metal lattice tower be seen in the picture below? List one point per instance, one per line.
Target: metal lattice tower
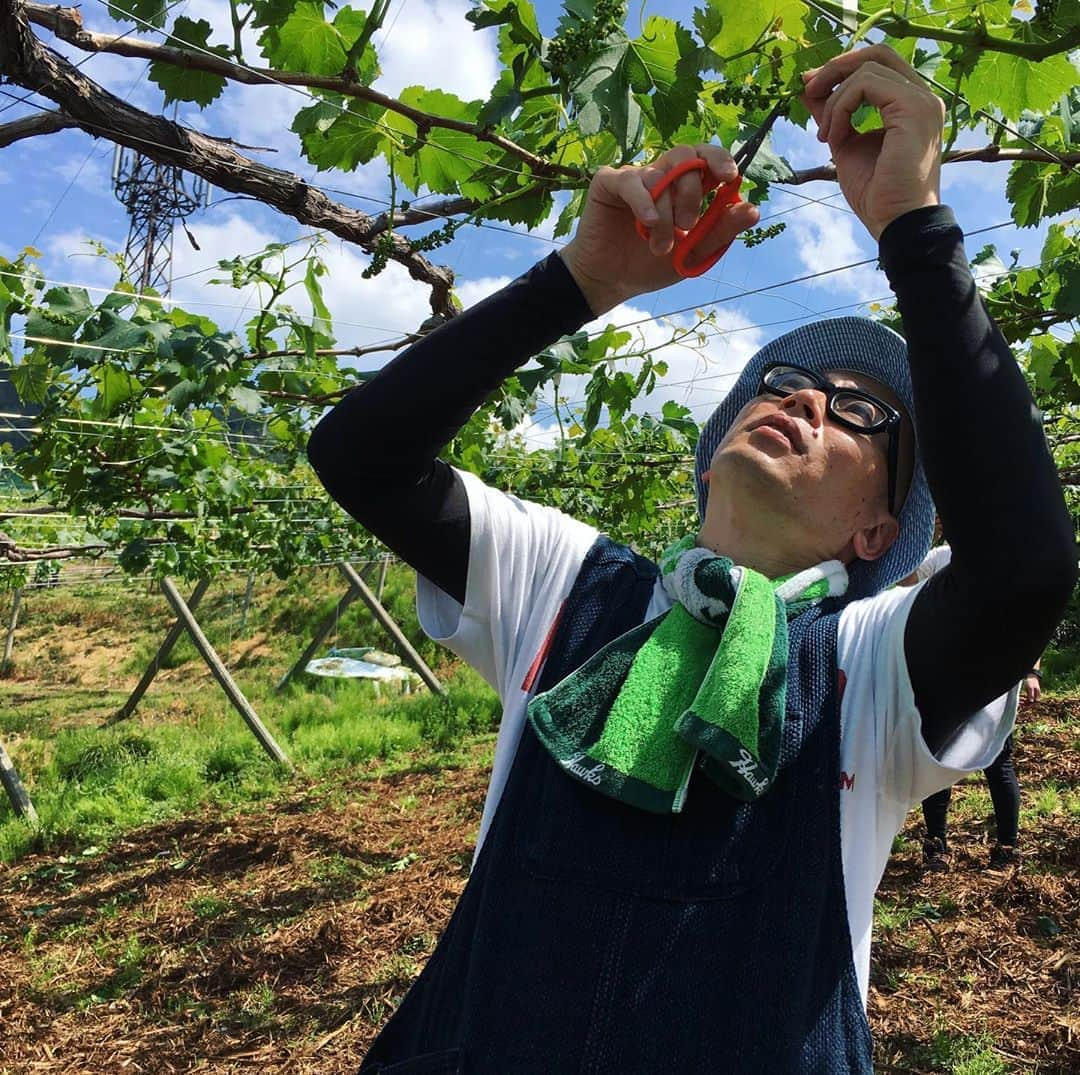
(156, 196)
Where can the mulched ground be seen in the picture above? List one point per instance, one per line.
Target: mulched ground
(280, 939)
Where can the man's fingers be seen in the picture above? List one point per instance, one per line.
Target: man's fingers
(871, 84)
(821, 81)
(631, 188)
(676, 207)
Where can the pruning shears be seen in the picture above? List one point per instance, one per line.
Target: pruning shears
(727, 194)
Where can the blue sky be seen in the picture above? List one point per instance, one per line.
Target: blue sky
(58, 194)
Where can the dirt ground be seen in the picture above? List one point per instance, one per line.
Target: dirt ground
(281, 939)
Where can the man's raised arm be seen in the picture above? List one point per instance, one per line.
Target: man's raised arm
(376, 450)
(978, 625)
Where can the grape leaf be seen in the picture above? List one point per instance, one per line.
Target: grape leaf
(445, 160)
(306, 41)
(31, 380)
(69, 305)
(115, 387)
(332, 138)
(662, 62)
(1013, 84)
(603, 97)
(151, 11)
(518, 16)
(743, 24)
(185, 84)
(1067, 300)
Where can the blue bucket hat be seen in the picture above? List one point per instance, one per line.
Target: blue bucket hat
(847, 343)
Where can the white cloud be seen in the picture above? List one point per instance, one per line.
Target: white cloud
(71, 256)
(472, 291)
(364, 311)
(700, 371)
(91, 172)
(826, 238)
(429, 43)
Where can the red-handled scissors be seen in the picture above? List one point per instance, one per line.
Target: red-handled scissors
(727, 194)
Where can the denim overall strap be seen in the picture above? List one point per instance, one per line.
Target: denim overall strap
(592, 937)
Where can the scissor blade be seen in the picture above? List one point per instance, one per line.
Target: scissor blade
(748, 150)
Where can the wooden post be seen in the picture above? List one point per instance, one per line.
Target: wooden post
(326, 625)
(221, 674)
(171, 639)
(388, 624)
(382, 580)
(14, 787)
(247, 600)
(9, 642)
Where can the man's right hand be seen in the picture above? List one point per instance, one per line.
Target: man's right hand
(609, 260)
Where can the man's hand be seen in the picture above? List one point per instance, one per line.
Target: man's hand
(610, 261)
(888, 172)
(1032, 689)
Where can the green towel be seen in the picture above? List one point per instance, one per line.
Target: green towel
(710, 676)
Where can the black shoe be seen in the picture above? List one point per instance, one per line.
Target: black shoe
(935, 854)
(1002, 856)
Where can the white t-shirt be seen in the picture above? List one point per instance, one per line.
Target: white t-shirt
(523, 561)
(937, 558)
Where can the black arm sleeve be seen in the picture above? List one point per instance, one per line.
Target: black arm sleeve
(979, 624)
(376, 450)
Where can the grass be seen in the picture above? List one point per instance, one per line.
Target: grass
(965, 1054)
(185, 748)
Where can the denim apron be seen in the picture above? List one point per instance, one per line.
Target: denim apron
(596, 938)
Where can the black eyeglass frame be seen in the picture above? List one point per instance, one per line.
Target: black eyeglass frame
(889, 424)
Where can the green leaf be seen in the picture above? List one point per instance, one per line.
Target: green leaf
(570, 212)
(1042, 361)
(531, 207)
(662, 63)
(768, 166)
(245, 400)
(185, 84)
(69, 305)
(151, 11)
(306, 42)
(744, 24)
(446, 160)
(332, 138)
(518, 15)
(1067, 300)
(603, 97)
(315, 269)
(1013, 83)
(31, 379)
(115, 387)
(1028, 189)
(352, 24)
(184, 393)
(679, 418)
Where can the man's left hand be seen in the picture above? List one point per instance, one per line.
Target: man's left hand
(887, 172)
(1032, 689)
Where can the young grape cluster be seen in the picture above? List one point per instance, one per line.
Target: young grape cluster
(439, 237)
(755, 236)
(748, 96)
(384, 247)
(577, 41)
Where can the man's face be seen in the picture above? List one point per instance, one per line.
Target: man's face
(793, 460)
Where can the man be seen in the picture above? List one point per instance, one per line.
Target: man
(702, 764)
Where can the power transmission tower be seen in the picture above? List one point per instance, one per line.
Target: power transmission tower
(156, 196)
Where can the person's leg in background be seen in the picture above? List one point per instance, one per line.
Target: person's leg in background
(1005, 794)
(935, 843)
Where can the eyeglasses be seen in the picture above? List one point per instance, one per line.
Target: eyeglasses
(851, 408)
